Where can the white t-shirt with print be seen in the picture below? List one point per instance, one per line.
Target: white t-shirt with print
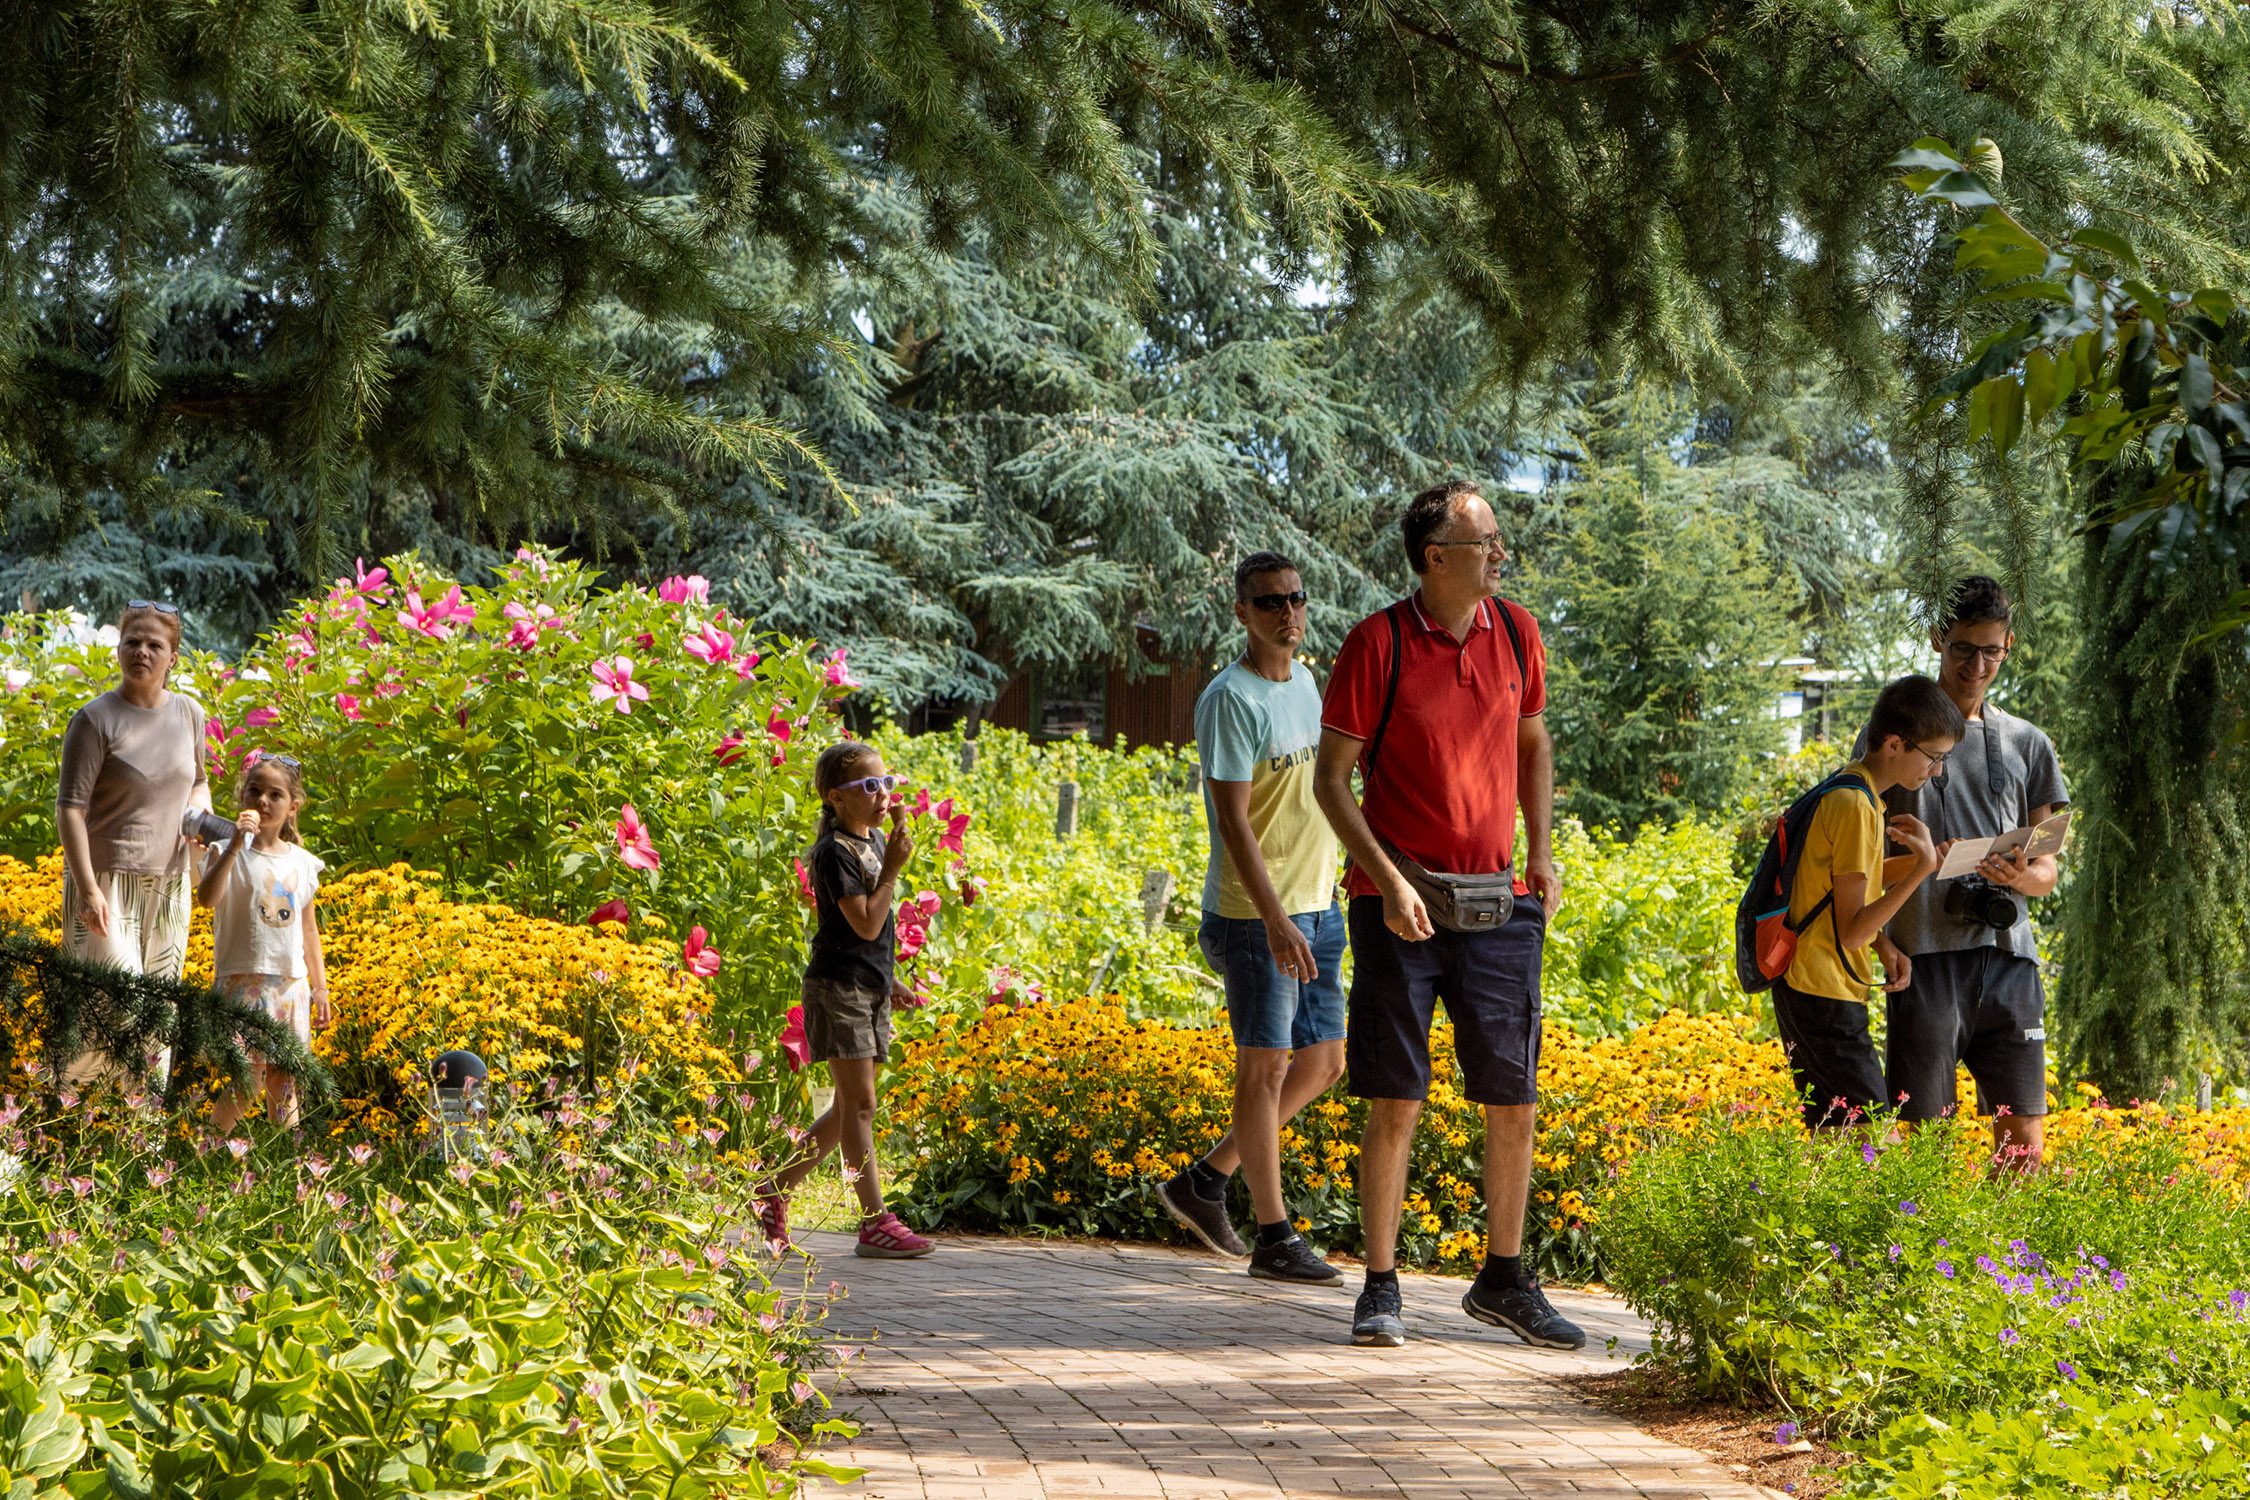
(257, 923)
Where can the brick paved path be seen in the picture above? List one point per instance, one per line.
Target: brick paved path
(1011, 1368)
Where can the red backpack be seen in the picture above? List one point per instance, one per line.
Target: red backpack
(1765, 942)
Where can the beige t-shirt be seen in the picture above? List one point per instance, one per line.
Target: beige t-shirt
(133, 771)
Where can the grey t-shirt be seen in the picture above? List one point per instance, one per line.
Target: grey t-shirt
(133, 770)
(1964, 803)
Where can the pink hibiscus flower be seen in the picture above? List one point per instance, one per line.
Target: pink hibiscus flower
(730, 749)
(697, 955)
(839, 673)
(613, 683)
(634, 846)
(956, 824)
(348, 706)
(711, 645)
(804, 883)
(746, 664)
(436, 620)
(792, 1040)
(693, 589)
(259, 718)
(524, 633)
(612, 910)
(780, 729)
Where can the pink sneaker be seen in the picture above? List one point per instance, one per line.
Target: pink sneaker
(773, 1222)
(888, 1239)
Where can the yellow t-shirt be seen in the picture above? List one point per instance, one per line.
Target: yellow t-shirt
(1846, 837)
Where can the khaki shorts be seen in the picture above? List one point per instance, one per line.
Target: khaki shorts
(845, 1020)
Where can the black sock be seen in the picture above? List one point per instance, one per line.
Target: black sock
(1274, 1233)
(1501, 1272)
(1382, 1278)
(1209, 1182)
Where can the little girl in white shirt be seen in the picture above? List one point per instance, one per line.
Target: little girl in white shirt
(260, 886)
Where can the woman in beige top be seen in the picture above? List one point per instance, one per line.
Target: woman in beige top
(132, 766)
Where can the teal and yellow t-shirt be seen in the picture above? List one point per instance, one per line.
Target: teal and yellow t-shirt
(1846, 837)
(1251, 728)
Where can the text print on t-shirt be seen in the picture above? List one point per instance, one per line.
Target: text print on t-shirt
(1293, 758)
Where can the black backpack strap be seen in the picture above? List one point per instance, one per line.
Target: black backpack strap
(1515, 639)
(1390, 694)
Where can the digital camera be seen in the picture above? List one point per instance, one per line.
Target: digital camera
(1982, 902)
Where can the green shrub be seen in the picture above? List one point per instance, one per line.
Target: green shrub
(565, 1316)
(2191, 1446)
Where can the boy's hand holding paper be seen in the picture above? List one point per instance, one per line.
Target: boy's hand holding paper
(1968, 856)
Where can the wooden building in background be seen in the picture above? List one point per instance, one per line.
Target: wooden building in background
(1106, 702)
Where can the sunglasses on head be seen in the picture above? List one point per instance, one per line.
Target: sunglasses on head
(1271, 603)
(872, 785)
(156, 604)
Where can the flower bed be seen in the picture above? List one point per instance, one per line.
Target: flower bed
(1963, 1328)
(412, 974)
(1058, 1116)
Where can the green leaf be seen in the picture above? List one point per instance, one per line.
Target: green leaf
(2007, 413)
(2039, 384)
(1962, 190)
(2116, 246)
(2196, 386)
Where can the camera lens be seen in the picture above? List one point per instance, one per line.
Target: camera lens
(1983, 903)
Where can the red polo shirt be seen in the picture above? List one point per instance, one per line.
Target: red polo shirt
(1444, 792)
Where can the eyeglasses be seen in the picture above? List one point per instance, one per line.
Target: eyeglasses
(1274, 603)
(279, 759)
(1490, 543)
(873, 785)
(1937, 762)
(1964, 652)
(156, 604)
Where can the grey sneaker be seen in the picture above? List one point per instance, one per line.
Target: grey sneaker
(1376, 1317)
(1293, 1260)
(1525, 1312)
(1200, 1216)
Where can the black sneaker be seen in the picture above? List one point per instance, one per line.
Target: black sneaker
(1200, 1216)
(1292, 1260)
(1525, 1312)
(1376, 1319)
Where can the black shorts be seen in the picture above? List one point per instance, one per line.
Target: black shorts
(1830, 1055)
(1979, 1006)
(1489, 982)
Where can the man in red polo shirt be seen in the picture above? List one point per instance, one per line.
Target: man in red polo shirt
(1437, 701)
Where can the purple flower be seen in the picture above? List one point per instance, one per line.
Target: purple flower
(2238, 1300)
(2009, 1338)
(2117, 1281)
(1867, 1153)
(2066, 1369)
(1909, 1207)
(1945, 1269)
(1785, 1434)
(1896, 1251)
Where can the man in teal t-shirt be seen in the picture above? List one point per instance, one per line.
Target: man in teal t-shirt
(1271, 926)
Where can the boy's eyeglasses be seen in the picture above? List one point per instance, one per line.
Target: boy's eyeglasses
(1937, 762)
(874, 786)
(156, 604)
(1274, 603)
(1965, 652)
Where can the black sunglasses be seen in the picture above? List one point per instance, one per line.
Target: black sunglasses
(157, 605)
(1271, 603)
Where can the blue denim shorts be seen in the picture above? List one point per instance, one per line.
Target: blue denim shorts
(1266, 1007)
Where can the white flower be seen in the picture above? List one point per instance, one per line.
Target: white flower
(106, 636)
(254, 674)
(11, 1170)
(18, 679)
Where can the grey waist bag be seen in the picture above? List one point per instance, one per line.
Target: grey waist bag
(1460, 903)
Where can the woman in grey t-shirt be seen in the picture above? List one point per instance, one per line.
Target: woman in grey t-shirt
(132, 765)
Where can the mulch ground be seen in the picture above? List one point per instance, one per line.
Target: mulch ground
(1742, 1442)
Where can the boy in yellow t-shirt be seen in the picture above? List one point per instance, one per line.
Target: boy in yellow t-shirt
(1820, 1005)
